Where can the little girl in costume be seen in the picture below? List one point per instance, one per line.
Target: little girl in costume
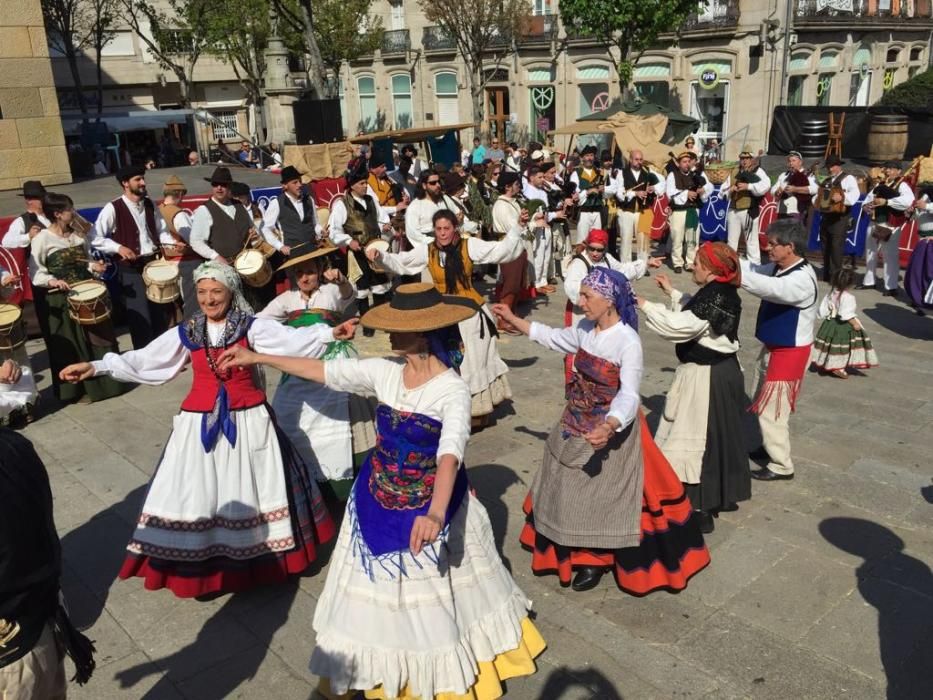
(841, 342)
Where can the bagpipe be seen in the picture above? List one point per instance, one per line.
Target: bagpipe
(831, 198)
(795, 202)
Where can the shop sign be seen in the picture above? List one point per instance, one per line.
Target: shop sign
(709, 77)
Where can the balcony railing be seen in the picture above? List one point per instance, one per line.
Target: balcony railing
(718, 13)
(539, 28)
(396, 41)
(863, 11)
(435, 38)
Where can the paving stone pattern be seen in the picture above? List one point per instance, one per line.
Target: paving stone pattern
(818, 588)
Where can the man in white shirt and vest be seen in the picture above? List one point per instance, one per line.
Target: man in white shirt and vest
(294, 214)
(789, 292)
(636, 188)
(841, 193)
(887, 204)
(588, 180)
(25, 227)
(132, 229)
(745, 191)
(178, 221)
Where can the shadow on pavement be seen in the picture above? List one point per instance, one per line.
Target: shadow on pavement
(564, 679)
(491, 481)
(901, 320)
(96, 550)
(900, 597)
(183, 664)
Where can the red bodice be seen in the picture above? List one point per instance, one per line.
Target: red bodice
(242, 391)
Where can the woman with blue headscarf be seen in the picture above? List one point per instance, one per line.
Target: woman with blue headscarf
(605, 497)
(230, 505)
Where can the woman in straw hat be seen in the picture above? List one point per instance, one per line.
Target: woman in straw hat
(318, 421)
(450, 259)
(605, 497)
(702, 424)
(417, 601)
(230, 505)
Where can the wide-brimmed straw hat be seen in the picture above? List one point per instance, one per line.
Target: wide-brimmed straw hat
(316, 253)
(417, 308)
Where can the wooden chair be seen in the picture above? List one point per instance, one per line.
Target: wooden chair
(834, 143)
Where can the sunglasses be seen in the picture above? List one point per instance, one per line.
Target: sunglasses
(432, 182)
(594, 249)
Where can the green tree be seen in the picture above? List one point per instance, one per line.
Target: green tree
(332, 31)
(175, 36)
(481, 29)
(625, 28)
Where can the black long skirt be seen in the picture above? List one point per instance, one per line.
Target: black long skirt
(724, 476)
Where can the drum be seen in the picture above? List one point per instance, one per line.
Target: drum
(253, 268)
(89, 303)
(262, 245)
(12, 327)
(161, 280)
(380, 245)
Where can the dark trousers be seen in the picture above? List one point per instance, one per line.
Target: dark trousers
(833, 228)
(145, 319)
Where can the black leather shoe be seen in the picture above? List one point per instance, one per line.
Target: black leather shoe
(586, 578)
(889, 293)
(765, 474)
(706, 521)
(678, 270)
(865, 286)
(759, 454)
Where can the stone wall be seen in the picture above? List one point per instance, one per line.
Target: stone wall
(32, 144)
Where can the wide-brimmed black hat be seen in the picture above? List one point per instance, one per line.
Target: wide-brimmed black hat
(417, 308)
(220, 176)
(357, 170)
(289, 173)
(130, 171)
(507, 177)
(589, 151)
(834, 160)
(33, 189)
(892, 164)
(240, 189)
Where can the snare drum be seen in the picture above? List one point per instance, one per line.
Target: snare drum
(380, 245)
(253, 268)
(263, 246)
(161, 280)
(89, 303)
(12, 327)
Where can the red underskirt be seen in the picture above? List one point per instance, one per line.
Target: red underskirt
(269, 569)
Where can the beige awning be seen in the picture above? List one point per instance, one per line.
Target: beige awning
(418, 134)
(319, 161)
(630, 131)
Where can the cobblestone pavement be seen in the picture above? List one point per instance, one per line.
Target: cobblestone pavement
(818, 588)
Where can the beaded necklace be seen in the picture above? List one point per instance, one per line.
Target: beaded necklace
(210, 349)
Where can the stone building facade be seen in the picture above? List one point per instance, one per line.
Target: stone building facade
(729, 67)
(32, 146)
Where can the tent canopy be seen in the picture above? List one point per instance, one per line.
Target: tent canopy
(628, 131)
(679, 126)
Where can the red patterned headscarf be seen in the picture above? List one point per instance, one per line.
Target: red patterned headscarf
(722, 261)
(597, 235)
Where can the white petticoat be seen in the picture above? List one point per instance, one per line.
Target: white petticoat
(317, 421)
(229, 502)
(426, 630)
(482, 369)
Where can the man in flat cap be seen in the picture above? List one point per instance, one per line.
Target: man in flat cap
(132, 229)
(294, 214)
(745, 190)
(588, 180)
(178, 222)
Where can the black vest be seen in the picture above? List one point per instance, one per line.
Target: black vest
(228, 236)
(362, 222)
(646, 180)
(295, 230)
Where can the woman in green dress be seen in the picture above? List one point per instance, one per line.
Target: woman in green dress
(59, 259)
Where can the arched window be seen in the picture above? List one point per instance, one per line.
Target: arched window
(892, 55)
(366, 87)
(652, 82)
(448, 100)
(401, 101)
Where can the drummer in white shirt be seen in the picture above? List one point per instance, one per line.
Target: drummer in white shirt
(20, 234)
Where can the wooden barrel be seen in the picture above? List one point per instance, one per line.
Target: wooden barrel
(814, 135)
(887, 137)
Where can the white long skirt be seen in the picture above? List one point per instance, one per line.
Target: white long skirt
(426, 629)
(317, 421)
(482, 369)
(231, 501)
